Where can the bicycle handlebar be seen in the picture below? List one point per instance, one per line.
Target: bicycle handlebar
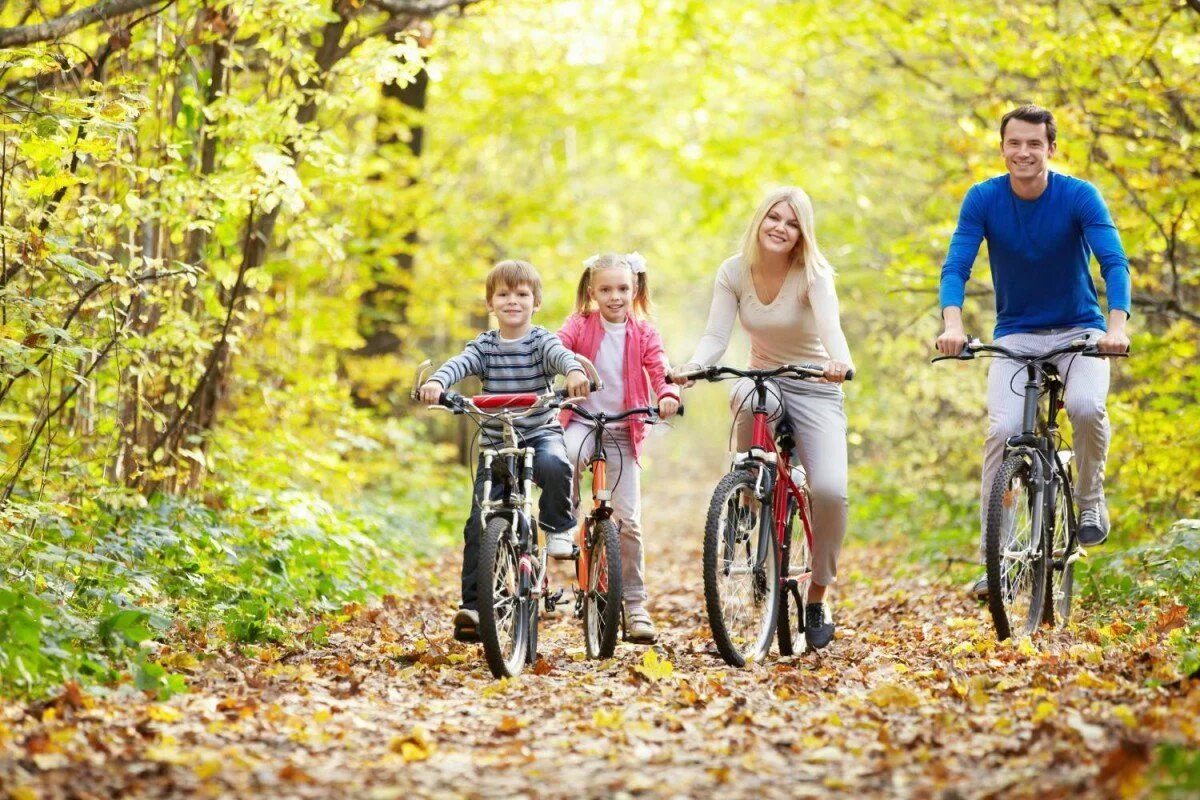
(651, 412)
(1080, 346)
(718, 372)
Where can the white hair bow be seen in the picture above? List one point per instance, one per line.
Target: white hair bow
(636, 261)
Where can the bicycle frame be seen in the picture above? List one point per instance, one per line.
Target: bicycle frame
(601, 507)
(775, 472)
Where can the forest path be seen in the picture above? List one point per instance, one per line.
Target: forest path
(913, 699)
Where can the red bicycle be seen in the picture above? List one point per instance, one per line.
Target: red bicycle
(751, 570)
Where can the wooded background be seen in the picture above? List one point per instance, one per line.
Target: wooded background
(229, 230)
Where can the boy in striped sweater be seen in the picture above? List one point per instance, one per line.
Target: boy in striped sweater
(516, 357)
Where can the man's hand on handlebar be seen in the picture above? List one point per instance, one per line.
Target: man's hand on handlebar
(1115, 342)
(952, 341)
(667, 406)
(577, 384)
(431, 393)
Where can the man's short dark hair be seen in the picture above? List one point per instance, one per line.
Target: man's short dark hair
(1035, 115)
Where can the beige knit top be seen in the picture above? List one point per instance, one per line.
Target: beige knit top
(787, 330)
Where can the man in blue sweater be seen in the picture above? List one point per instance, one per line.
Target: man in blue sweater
(1042, 228)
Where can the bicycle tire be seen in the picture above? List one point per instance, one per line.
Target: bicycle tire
(1012, 489)
(722, 547)
(1061, 586)
(790, 637)
(602, 602)
(504, 634)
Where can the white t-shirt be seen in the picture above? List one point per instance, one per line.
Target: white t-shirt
(610, 363)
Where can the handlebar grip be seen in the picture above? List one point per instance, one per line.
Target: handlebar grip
(849, 375)
(450, 399)
(595, 386)
(679, 413)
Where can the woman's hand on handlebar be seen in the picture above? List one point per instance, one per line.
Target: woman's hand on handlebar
(836, 371)
(431, 393)
(676, 375)
(577, 384)
(667, 406)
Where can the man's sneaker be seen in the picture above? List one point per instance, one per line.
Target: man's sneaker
(979, 589)
(1093, 526)
(466, 625)
(639, 628)
(559, 545)
(818, 628)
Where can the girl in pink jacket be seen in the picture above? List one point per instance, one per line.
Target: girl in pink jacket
(611, 327)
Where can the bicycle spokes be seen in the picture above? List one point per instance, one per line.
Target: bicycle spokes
(505, 591)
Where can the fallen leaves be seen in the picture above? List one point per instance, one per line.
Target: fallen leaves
(416, 745)
(653, 668)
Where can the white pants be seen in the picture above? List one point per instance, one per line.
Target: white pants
(819, 425)
(1086, 389)
(624, 481)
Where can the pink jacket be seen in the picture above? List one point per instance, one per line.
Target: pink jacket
(646, 364)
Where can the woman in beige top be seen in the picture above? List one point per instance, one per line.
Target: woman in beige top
(781, 288)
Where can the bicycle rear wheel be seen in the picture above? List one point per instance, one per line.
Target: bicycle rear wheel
(741, 594)
(1016, 551)
(795, 566)
(504, 613)
(1061, 586)
(602, 601)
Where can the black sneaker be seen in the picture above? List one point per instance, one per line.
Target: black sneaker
(1093, 526)
(818, 630)
(466, 625)
(979, 589)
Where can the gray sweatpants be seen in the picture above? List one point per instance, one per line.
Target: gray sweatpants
(624, 480)
(1086, 381)
(819, 423)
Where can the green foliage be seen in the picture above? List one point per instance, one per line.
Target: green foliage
(96, 594)
(1158, 573)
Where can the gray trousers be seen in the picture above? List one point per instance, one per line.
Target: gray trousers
(819, 424)
(1086, 389)
(624, 481)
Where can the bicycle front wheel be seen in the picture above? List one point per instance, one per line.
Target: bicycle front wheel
(602, 601)
(1015, 550)
(504, 614)
(741, 592)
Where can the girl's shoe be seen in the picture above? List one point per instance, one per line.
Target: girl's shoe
(466, 625)
(639, 627)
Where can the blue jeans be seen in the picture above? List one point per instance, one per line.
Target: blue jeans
(552, 472)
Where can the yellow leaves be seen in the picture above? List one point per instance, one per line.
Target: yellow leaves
(611, 719)
(1025, 647)
(1125, 715)
(23, 793)
(163, 713)
(1044, 710)
(510, 726)
(498, 688)
(416, 745)
(207, 768)
(891, 695)
(167, 751)
(1086, 680)
(653, 668)
(1087, 653)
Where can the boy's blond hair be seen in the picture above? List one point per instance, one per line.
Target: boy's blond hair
(514, 273)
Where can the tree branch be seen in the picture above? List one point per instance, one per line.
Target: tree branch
(61, 26)
(420, 8)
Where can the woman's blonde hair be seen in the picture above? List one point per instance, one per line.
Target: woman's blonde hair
(806, 255)
(632, 262)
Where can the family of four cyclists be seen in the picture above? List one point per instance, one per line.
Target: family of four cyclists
(1041, 227)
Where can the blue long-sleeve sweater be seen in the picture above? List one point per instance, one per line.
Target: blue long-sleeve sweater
(1040, 252)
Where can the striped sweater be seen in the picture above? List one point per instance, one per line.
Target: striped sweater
(512, 366)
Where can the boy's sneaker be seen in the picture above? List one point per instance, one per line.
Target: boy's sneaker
(466, 625)
(639, 627)
(1093, 525)
(979, 589)
(559, 545)
(818, 627)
